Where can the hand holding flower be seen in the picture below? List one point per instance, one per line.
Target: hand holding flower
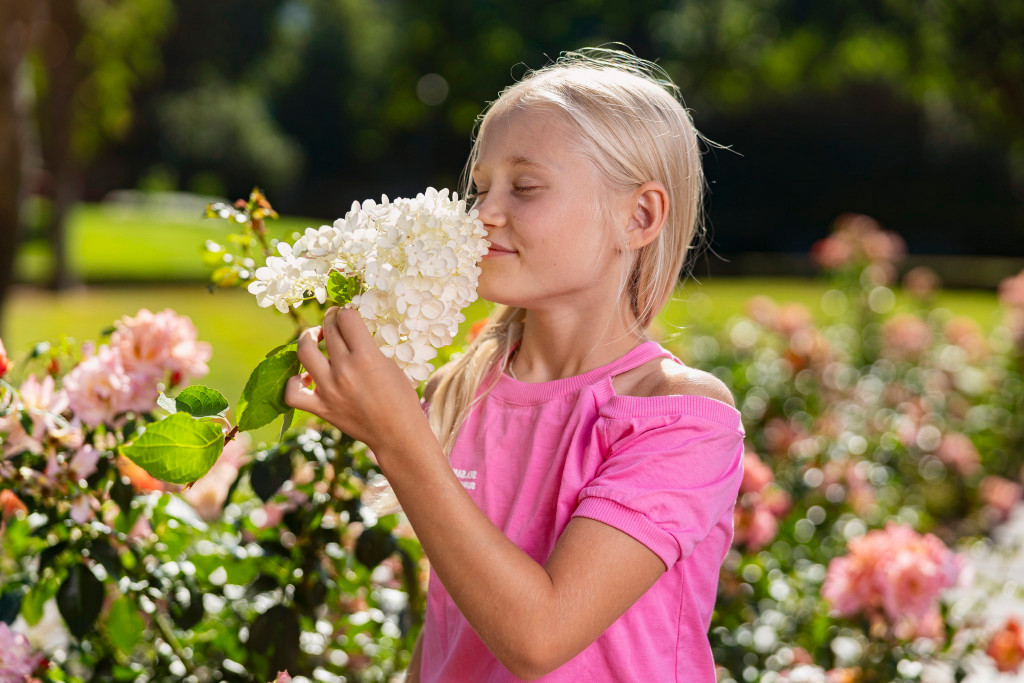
(356, 387)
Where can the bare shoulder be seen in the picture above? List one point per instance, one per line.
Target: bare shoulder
(665, 377)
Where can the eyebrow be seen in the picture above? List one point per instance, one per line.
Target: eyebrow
(518, 161)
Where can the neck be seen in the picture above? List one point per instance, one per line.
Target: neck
(563, 344)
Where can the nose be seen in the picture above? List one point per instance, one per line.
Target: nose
(489, 211)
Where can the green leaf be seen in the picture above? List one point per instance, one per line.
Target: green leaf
(269, 474)
(200, 401)
(287, 422)
(124, 624)
(341, 289)
(276, 633)
(186, 607)
(10, 605)
(167, 403)
(374, 546)
(178, 449)
(79, 600)
(263, 397)
(32, 604)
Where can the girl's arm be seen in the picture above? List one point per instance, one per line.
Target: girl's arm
(533, 618)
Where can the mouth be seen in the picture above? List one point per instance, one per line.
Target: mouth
(498, 250)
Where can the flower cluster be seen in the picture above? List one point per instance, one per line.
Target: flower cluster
(415, 262)
(1006, 648)
(761, 503)
(896, 572)
(858, 239)
(17, 660)
(126, 374)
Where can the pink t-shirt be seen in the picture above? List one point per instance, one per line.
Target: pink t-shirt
(663, 469)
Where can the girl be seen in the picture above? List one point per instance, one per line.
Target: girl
(574, 486)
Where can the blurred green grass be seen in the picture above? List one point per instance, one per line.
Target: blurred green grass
(110, 243)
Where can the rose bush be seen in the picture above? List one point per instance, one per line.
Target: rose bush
(884, 445)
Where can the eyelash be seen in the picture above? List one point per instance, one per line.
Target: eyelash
(517, 188)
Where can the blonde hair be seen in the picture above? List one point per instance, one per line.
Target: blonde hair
(626, 116)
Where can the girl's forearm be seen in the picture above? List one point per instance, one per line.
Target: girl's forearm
(498, 588)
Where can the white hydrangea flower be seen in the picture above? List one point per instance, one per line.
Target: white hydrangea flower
(416, 261)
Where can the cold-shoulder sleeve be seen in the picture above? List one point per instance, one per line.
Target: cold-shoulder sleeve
(668, 477)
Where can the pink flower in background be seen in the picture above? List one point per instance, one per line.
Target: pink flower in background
(968, 335)
(209, 493)
(896, 570)
(154, 344)
(44, 404)
(99, 388)
(858, 238)
(920, 282)
(17, 661)
(761, 504)
(1000, 495)
(282, 677)
(83, 463)
(905, 336)
(756, 475)
(763, 310)
(82, 509)
(1011, 291)
(831, 252)
(793, 317)
(958, 453)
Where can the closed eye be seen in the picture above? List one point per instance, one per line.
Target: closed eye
(520, 188)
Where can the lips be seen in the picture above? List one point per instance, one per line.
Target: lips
(498, 249)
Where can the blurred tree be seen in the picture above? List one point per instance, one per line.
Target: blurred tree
(89, 56)
(18, 20)
(961, 61)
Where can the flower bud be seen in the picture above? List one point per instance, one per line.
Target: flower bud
(5, 362)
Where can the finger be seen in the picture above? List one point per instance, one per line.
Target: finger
(353, 330)
(300, 398)
(336, 346)
(309, 354)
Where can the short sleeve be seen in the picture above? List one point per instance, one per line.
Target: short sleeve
(667, 481)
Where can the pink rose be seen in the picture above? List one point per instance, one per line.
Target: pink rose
(1011, 291)
(83, 463)
(154, 344)
(756, 475)
(1000, 495)
(905, 336)
(209, 493)
(958, 453)
(896, 571)
(920, 282)
(99, 388)
(17, 661)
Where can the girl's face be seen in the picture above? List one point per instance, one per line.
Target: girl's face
(540, 201)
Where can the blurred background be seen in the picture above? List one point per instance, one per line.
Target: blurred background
(121, 119)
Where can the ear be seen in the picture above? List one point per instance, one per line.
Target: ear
(648, 210)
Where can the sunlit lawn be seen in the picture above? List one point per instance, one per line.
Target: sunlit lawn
(241, 333)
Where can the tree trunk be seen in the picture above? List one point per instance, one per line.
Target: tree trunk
(18, 19)
(65, 75)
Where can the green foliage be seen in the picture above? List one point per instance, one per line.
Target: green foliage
(263, 397)
(178, 449)
(200, 401)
